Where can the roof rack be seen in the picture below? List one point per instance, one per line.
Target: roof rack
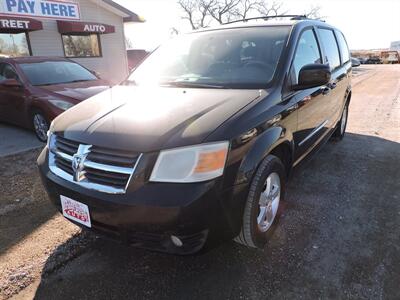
(265, 18)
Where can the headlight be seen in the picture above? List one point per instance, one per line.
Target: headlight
(50, 140)
(191, 164)
(61, 104)
(50, 136)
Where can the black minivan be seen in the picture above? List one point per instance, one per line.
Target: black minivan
(197, 144)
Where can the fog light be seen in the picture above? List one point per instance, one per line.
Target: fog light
(177, 241)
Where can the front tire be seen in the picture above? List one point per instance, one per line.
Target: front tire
(40, 125)
(261, 211)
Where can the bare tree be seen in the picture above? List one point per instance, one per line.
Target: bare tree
(273, 9)
(245, 7)
(200, 13)
(204, 9)
(196, 12)
(190, 9)
(314, 13)
(223, 11)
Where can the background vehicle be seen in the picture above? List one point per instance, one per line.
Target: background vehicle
(390, 57)
(373, 61)
(135, 56)
(196, 146)
(361, 60)
(355, 62)
(34, 90)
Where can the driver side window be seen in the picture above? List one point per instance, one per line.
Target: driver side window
(307, 52)
(1, 72)
(7, 72)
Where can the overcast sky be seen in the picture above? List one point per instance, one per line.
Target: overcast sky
(367, 24)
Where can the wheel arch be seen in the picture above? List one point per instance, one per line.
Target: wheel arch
(276, 141)
(348, 95)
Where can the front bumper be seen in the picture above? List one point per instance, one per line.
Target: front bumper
(148, 214)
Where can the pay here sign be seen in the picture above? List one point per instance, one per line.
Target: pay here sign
(41, 9)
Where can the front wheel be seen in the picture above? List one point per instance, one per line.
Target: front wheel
(262, 207)
(40, 125)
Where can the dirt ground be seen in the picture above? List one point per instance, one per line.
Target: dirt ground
(338, 237)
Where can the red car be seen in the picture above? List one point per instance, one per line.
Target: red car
(35, 90)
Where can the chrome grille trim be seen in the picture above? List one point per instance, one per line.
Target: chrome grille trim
(60, 164)
(107, 168)
(63, 156)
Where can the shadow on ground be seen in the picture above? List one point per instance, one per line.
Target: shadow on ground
(24, 205)
(338, 238)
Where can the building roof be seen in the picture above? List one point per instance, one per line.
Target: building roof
(128, 15)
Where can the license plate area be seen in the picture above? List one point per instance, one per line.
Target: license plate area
(75, 211)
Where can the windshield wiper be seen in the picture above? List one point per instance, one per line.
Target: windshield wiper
(78, 80)
(191, 84)
(56, 83)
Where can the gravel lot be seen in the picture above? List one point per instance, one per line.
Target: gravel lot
(338, 238)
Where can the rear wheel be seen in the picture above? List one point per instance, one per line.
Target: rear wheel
(341, 126)
(262, 207)
(40, 125)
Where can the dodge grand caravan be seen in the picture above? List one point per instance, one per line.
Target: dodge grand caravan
(196, 145)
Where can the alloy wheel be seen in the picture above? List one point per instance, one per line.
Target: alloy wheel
(269, 202)
(343, 122)
(41, 126)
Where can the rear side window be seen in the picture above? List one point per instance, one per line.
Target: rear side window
(331, 47)
(307, 52)
(344, 49)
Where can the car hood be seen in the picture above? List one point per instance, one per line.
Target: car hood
(145, 120)
(78, 90)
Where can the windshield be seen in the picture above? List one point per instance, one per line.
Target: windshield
(234, 58)
(55, 72)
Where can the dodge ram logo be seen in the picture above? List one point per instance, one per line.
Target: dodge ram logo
(78, 162)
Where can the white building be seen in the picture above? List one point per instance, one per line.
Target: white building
(90, 32)
(395, 46)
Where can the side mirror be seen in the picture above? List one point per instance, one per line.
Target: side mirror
(10, 83)
(355, 62)
(313, 75)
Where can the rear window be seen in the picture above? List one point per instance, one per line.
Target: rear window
(331, 47)
(344, 49)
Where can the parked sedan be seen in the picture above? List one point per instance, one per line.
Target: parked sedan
(34, 90)
(373, 61)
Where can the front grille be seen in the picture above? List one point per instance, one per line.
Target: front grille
(104, 169)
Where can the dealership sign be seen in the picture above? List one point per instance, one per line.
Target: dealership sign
(81, 27)
(40, 9)
(19, 24)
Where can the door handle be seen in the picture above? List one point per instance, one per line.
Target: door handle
(332, 85)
